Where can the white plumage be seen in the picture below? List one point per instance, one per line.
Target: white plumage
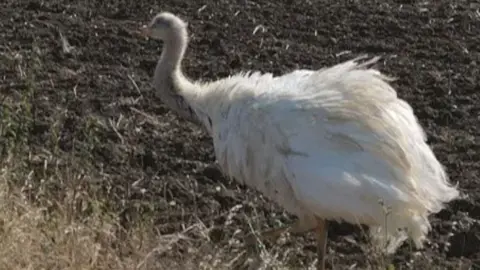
(331, 143)
(325, 145)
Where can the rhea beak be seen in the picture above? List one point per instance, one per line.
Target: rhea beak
(145, 31)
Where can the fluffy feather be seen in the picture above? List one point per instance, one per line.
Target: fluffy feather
(332, 143)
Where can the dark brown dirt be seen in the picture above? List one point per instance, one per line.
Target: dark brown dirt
(432, 47)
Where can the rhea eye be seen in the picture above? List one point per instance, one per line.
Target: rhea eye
(161, 23)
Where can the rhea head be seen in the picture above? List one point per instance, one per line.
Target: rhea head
(165, 26)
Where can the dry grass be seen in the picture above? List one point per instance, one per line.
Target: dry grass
(65, 230)
(41, 231)
(50, 216)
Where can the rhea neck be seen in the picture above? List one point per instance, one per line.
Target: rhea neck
(169, 80)
(173, 51)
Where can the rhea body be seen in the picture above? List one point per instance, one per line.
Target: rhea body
(328, 144)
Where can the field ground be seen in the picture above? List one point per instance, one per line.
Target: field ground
(96, 173)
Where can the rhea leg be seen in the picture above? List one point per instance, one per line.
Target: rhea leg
(321, 232)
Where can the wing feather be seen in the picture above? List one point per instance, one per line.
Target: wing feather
(332, 143)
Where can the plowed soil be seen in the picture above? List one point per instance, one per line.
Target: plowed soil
(100, 95)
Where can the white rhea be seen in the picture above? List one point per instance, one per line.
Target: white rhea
(325, 145)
